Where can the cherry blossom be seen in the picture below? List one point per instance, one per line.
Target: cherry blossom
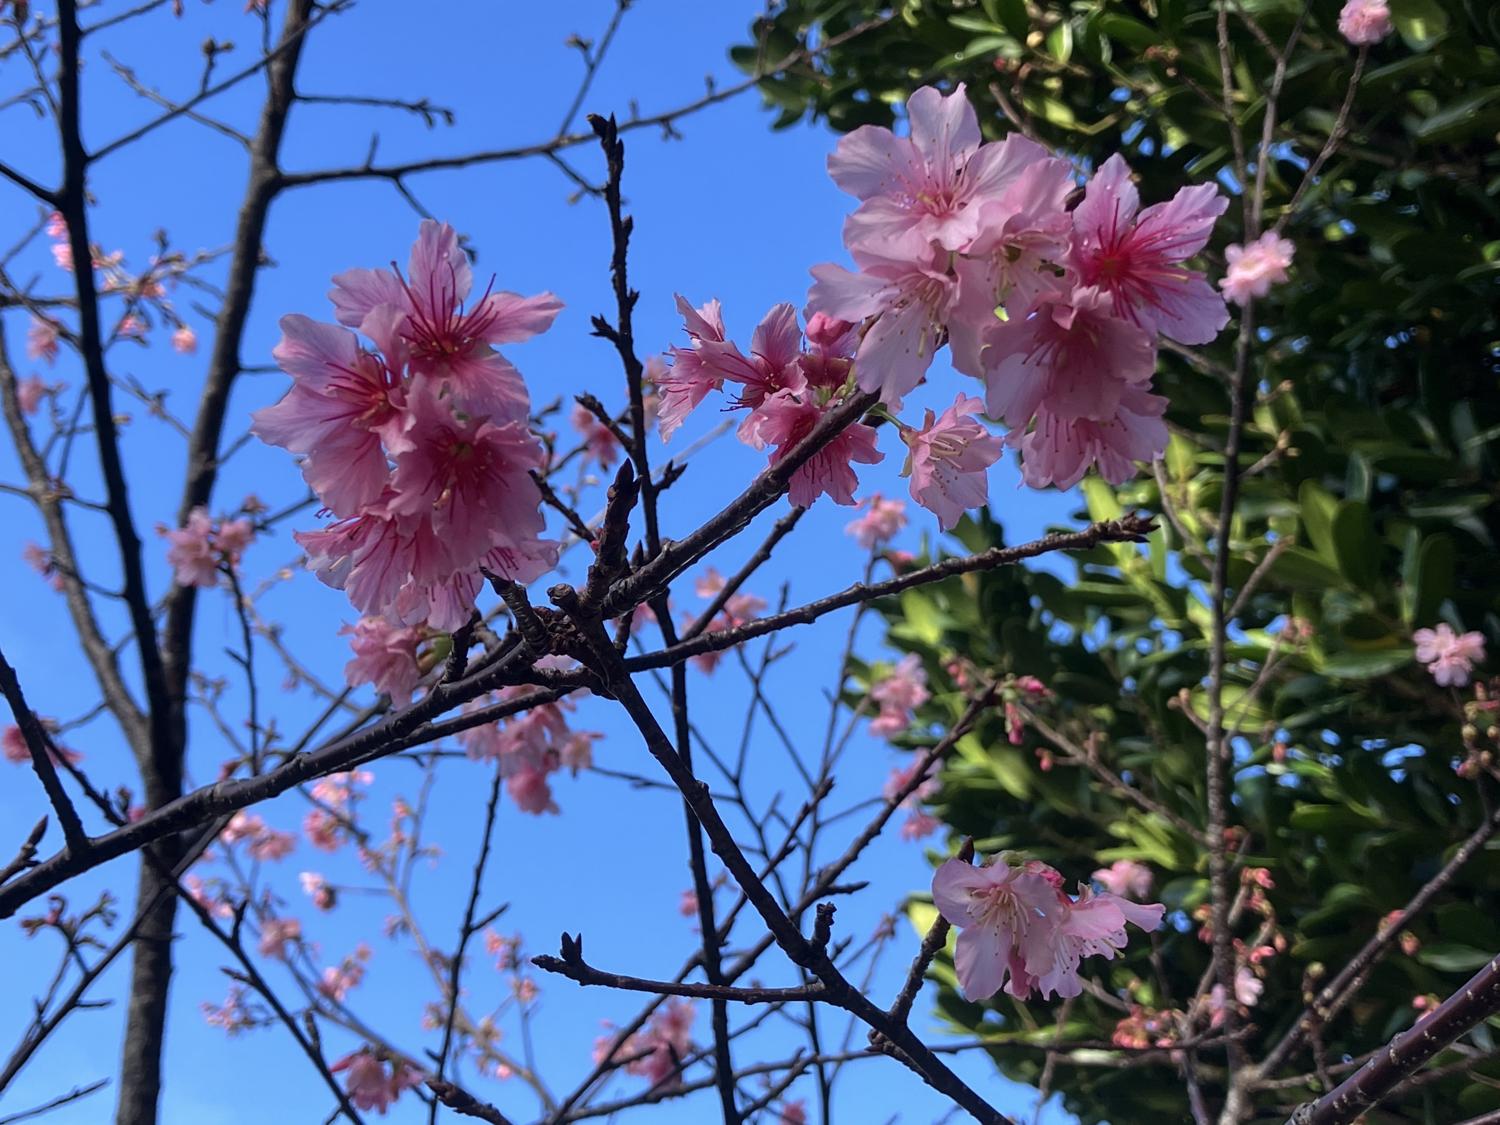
(882, 520)
(1017, 922)
(1254, 268)
(385, 655)
(184, 340)
(41, 341)
(1449, 655)
(1125, 877)
(369, 1085)
(784, 419)
(445, 342)
(599, 441)
(30, 392)
(949, 461)
(918, 824)
(1137, 260)
(1364, 22)
(898, 695)
(14, 749)
(276, 934)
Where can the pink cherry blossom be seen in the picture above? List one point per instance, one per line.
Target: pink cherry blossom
(339, 980)
(690, 378)
(1094, 925)
(343, 413)
(42, 561)
(1363, 22)
(1060, 450)
(1449, 655)
(994, 908)
(531, 792)
(1253, 269)
(41, 341)
(369, 1085)
(919, 824)
(1017, 257)
(910, 298)
(882, 520)
(899, 694)
(232, 1015)
(774, 362)
(385, 655)
(13, 744)
(1018, 922)
(599, 442)
(1137, 261)
(469, 477)
(30, 392)
(232, 537)
(272, 844)
(927, 189)
(794, 1113)
(830, 355)
(62, 255)
(191, 553)
(1125, 877)
(445, 342)
(1072, 355)
(184, 340)
(784, 419)
(276, 933)
(949, 461)
(318, 889)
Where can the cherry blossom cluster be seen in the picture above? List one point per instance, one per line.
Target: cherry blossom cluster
(14, 749)
(199, 550)
(658, 1051)
(413, 432)
(1018, 922)
(1056, 312)
(529, 748)
(141, 291)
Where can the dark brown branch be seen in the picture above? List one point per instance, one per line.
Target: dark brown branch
(1474, 1002)
(572, 965)
(934, 940)
(40, 748)
(78, 1093)
(1128, 529)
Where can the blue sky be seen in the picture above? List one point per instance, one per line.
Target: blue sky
(731, 210)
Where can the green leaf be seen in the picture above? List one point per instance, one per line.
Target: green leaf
(1450, 957)
(1355, 545)
(1060, 42)
(1420, 22)
(1432, 584)
(1365, 665)
(1318, 508)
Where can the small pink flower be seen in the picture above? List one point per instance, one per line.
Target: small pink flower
(275, 933)
(30, 392)
(40, 560)
(1450, 656)
(784, 419)
(1363, 22)
(317, 888)
(232, 1015)
(131, 325)
(272, 845)
(385, 655)
(994, 907)
(62, 254)
(531, 792)
(1254, 268)
(1137, 260)
(950, 460)
(599, 441)
(323, 830)
(687, 906)
(41, 341)
(191, 555)
(919, 824)
(794, 1113)
(883, 520)
(184, 340)
(1125, 877)
(232, 537)
(368, 1084)
(57, 226)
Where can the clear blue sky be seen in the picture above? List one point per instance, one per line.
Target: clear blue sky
(733, 211)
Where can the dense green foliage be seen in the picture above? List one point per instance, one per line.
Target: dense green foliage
(1372, 456)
